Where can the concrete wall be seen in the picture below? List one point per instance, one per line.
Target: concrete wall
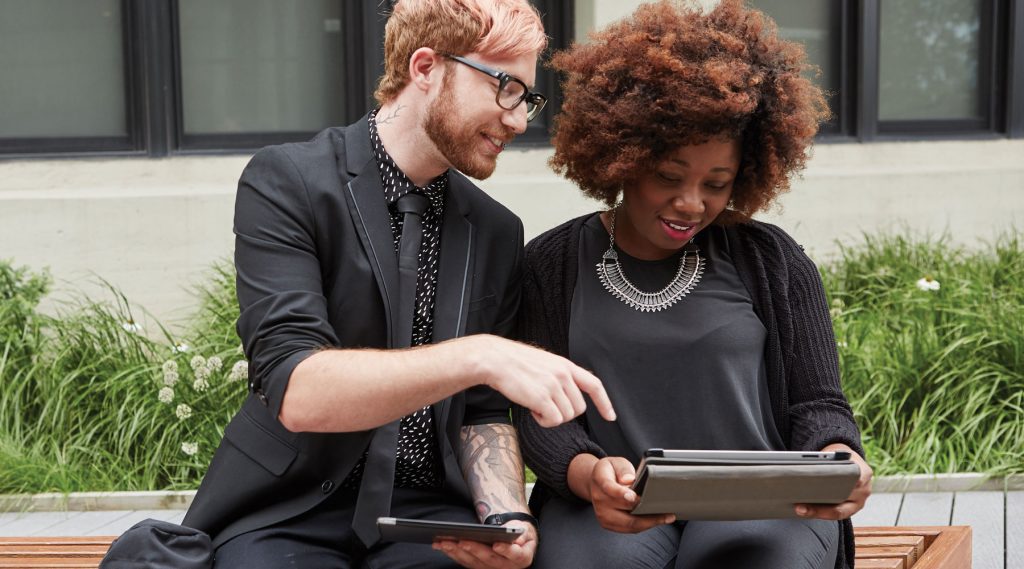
(152, 227)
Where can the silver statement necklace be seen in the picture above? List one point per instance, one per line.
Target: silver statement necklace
(609, 271)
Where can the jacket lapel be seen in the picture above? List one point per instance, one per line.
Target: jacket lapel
(456, 267)
(370, 216)
(454, 281)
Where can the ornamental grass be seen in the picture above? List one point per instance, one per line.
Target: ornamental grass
(931, 346)
(94, 401)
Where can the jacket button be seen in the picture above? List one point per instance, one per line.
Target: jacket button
(263, 398)
(327, 486)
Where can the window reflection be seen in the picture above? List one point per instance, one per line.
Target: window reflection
(260, 65)
(929, 59)
(61, 69)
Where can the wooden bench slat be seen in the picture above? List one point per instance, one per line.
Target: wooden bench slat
(879, 564)
(85, 540)
(75, 552)
(915, 541)
(907, 553)
(51, 550)
(951, 549)
(53, 562)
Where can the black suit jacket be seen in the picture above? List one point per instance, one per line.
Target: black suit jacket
(317, 268)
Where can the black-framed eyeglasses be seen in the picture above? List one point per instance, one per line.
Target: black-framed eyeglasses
(511, 90)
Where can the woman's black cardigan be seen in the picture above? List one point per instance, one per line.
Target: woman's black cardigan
(808, 405)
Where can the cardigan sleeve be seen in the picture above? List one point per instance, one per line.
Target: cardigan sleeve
(548, 278)
(819, 413)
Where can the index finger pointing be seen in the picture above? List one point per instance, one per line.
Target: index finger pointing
(588, 383)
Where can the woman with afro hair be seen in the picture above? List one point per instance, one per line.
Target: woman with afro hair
(709, 330)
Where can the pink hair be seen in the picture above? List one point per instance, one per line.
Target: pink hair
(495, 28)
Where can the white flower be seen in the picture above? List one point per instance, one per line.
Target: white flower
(170, 378)
(202, 373)
(841, 344)
(166, 395)
(170, 365)
(183, 411)
(214, 364)
(835, 312)
(190, 448)
(200, 384)
(181, 348)
(239, 371)
(928, 283)
(884, 272)
(198, 363)
(131, 326)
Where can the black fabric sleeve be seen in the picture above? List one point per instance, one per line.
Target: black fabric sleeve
(543, 321)
(283, 309)
(483, 404)
(819, 412)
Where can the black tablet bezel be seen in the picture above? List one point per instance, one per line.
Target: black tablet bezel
(428, 531)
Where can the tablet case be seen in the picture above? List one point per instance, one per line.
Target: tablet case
(704, 491)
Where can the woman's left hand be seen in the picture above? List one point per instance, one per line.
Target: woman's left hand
(857, 498)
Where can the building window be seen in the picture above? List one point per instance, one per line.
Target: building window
(896, 68)
(159, 77)
(909, 68)
(929, 55)
(818, 26)
(64, 86)
(259, 67)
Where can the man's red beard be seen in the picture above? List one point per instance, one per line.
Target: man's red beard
(458, 142)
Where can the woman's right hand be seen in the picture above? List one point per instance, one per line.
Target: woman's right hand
(607, 486)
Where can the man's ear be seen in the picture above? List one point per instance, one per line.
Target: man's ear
(426, 68)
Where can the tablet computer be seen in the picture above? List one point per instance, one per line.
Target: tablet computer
(756, 456)
(738, 485)
(428, 531)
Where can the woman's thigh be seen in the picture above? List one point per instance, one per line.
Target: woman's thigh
(767, 544)
(571, 537)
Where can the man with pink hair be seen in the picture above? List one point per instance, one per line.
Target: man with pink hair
(377, 286)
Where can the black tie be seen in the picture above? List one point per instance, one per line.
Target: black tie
(379, 474)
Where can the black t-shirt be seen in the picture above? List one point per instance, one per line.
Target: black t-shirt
(691, 376)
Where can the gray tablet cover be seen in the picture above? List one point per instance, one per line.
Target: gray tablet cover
(735, 492)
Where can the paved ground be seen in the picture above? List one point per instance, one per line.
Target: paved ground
(997, 519)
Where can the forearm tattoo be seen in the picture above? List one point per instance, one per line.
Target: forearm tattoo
(493, 468)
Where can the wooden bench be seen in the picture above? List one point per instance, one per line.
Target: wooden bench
(941, 547)
(35, 552)
(932, 547)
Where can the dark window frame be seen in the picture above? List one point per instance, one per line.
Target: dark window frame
(559, 24)
(856, 106)
(131, 143)
(990, 94)
(840, 125)
(1014, 69)
(355, 19)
